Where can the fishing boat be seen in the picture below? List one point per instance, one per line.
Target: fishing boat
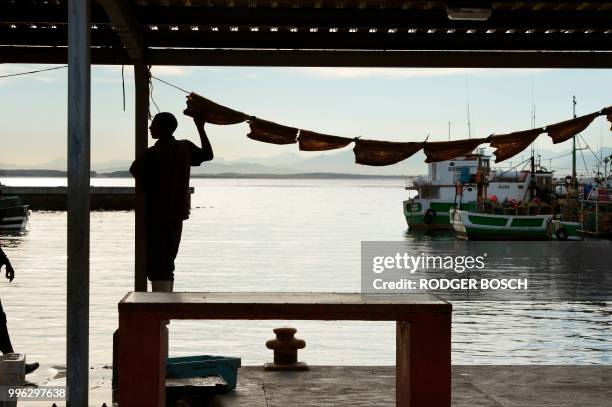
(536, 216)
(548, 212)
(482, 226)
(596, 210)
(13, 214)
(436, 194)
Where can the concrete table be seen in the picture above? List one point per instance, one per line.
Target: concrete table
(423, 338)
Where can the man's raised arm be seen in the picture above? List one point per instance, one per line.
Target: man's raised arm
(207, 150)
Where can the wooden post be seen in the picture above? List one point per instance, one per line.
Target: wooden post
(423, 361)
(79, 71)
(142, 374)
(141, 81)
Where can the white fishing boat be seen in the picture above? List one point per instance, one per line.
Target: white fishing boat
(437, 193)
(484, 226)
(532, 217)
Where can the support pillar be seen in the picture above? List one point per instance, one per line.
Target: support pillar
(142, 374)
(423, 361)
(141, 119)
(79, 81)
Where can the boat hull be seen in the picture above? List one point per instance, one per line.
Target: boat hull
(480, 226)
(415, 210)
(13, 215)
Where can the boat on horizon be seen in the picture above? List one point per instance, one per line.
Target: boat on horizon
(14, 214)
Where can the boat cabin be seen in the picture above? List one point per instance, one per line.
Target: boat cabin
(443, 176)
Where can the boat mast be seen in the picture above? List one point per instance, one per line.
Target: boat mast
(532, 182)
(469, 122)
(574, 178)
(467, 100)
(532, 160)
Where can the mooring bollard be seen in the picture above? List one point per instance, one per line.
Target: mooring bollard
(285, 348)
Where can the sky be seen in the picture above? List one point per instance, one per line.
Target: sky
(374, 103)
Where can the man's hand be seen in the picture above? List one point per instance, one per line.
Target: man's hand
(10, 272)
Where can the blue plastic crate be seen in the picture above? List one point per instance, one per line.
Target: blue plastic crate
(204, 365)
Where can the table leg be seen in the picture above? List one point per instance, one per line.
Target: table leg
(142, 370)
(423, 361)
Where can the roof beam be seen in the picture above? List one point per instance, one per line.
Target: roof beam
(384, 59)
(123, 19)
(390, 17)
(22, 12)
(321, 40)
(59, 55)
(319, 17)
(380, 41)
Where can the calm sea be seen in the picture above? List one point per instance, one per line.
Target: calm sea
(274, 235)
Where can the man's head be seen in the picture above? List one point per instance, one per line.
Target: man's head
(163, 125)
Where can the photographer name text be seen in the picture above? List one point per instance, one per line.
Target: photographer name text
(452, 284)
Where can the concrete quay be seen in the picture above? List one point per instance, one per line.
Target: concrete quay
(367, 386)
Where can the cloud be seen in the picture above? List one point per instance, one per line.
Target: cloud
(128, 79)
(406, 73)
(169, 70)
(112, 73)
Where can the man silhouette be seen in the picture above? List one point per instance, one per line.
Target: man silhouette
(163, 172)
(5, 339)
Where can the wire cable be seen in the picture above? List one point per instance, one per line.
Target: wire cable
(586, 169)
(498, 176)
(123, 85)
(152, 97)
(590, 149)
(170, 84)
(33, 72)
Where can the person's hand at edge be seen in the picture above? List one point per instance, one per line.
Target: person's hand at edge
(10, 272)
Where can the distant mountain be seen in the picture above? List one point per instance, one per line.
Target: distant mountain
(34, 173)
(344, 162)
(561, 162)
(56, 165)
(111, 166)
(335, 162)
(215, 167)
(61, 164)
(278, 160)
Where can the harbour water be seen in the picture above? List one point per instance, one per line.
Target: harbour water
(274, 235)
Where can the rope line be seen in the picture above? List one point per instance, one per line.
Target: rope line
(559, 156)
(170, 84)
(123, 85)
(498, 176)
(32, 72)
(152, 98)
(591, 150)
